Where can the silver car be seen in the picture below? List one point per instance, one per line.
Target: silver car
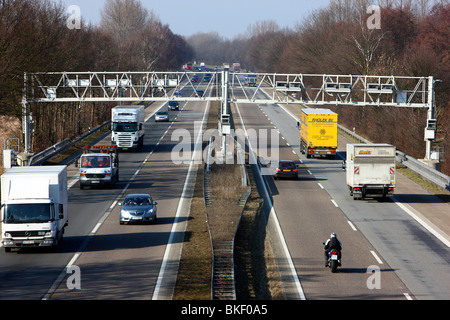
(138, 208)
(162, 115)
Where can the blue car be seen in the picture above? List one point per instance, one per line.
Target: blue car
(138, 208)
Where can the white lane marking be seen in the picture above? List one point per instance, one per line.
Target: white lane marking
(352, 226)
(376, 257)
(335, 203)
(408, 297)
(94, 231)
(72, 261)
(320, 185)
(113, 204)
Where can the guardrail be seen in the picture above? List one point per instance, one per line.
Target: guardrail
(41, 157)
(430, 174)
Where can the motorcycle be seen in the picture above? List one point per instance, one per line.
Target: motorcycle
(333, 260)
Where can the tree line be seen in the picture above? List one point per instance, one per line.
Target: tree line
(35, 37)
(412, 40)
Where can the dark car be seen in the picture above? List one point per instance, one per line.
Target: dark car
(286, 169)
(207, 77)
(174, 105)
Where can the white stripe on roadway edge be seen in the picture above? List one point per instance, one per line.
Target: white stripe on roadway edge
(277, 224)
(376, 257)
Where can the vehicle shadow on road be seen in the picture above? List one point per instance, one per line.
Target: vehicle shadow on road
(422, 198)
(109, 242)
(359, 270)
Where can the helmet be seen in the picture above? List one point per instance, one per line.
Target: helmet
(333, 235)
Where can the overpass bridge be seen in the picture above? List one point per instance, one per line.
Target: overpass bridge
(307, 89)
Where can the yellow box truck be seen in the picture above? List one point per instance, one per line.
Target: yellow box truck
(318, 132)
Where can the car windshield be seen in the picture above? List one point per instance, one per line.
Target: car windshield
(137, 201)
(95, 162)
(124, 126)
(287, 165)
(29, 213)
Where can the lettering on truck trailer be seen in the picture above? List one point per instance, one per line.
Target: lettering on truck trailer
(330, 120)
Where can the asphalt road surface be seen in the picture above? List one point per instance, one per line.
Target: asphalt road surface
(386, 253)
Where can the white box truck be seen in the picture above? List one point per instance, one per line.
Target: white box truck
(128, 128)
(99, 166)
(370, 170)
(34, 209)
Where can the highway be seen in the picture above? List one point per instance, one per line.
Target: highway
(412, 262)
(139, 261)
(115, 261)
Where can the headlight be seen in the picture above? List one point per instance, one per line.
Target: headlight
(124, 213)
(7, 235)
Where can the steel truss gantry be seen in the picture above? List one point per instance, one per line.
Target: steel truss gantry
(306, 89)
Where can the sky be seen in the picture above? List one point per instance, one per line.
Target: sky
(229, 18)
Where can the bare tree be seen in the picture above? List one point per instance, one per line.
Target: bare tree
(121, 18)
(367, 41)
(262, 27)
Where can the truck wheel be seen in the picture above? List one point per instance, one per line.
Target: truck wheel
(7, 249)
(61, 238)
(302, 148)
(81, 186)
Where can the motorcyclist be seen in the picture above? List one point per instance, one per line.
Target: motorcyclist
(332, 243)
